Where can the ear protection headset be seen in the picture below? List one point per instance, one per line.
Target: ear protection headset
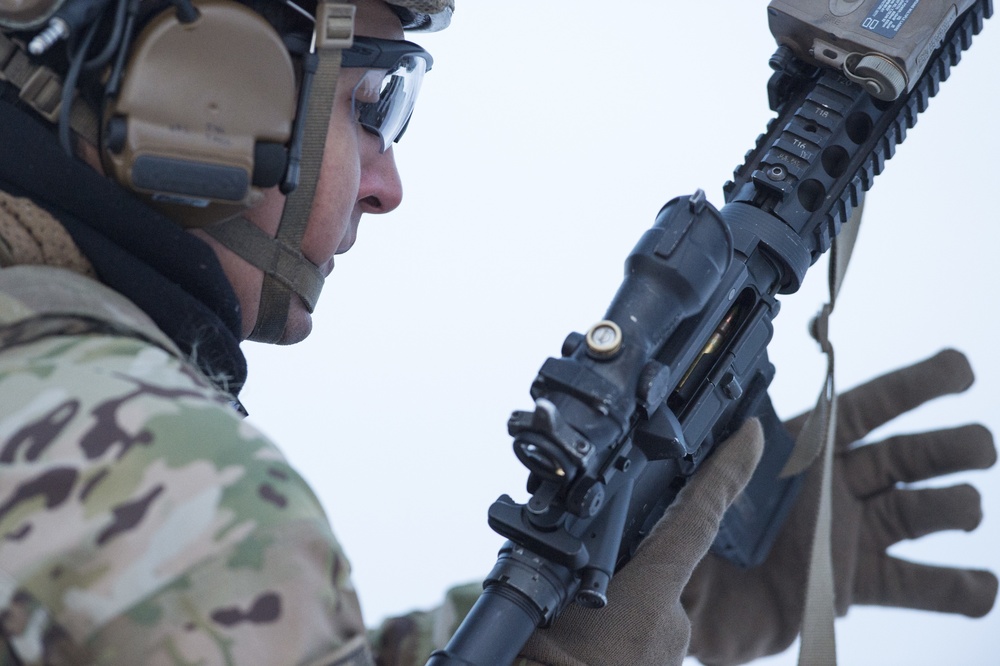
(201, 106)
(204, 110)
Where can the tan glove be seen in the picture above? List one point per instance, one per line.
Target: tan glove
(644, 622)
(738, 615)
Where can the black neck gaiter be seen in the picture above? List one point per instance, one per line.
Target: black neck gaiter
(169, 273)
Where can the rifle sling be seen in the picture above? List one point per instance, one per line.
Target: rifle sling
(818, 644)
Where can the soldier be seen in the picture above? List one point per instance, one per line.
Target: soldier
(178, 178)
(145, 521)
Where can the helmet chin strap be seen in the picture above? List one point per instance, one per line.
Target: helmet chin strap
(286, 270)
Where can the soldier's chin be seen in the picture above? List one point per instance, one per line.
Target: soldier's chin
(299, 323)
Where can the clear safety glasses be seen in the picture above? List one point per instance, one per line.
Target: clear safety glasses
(383, 99)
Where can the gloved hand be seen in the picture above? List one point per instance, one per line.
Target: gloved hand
(738, 615)
(644, 622)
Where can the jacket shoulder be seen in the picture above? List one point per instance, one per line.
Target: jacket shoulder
(42, 300)
(142, 520)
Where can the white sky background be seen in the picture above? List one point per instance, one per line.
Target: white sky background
(546, 139)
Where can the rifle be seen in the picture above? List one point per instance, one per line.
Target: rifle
(634, 405)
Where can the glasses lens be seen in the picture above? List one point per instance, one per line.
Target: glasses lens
(383, 99)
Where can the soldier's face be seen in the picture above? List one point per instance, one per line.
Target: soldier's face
(355, 179)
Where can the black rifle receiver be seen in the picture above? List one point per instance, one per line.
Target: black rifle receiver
(631, 408)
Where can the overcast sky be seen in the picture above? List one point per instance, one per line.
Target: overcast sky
(546, 138)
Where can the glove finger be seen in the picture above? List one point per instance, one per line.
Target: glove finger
(691, 522)
(873, 468)
(880, 400)
(884, 398)
(906, 584)
(910, 514)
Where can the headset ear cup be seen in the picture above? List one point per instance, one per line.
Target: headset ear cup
(203, 113)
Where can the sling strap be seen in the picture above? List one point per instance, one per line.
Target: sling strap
(818, 645)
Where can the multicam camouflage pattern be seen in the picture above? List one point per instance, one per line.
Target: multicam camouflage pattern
(141, 520)
(410, 639)
(425, 15)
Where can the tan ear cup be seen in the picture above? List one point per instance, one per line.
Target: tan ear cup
(204, 113)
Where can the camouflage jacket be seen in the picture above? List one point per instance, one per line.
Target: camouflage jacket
(142, 520)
